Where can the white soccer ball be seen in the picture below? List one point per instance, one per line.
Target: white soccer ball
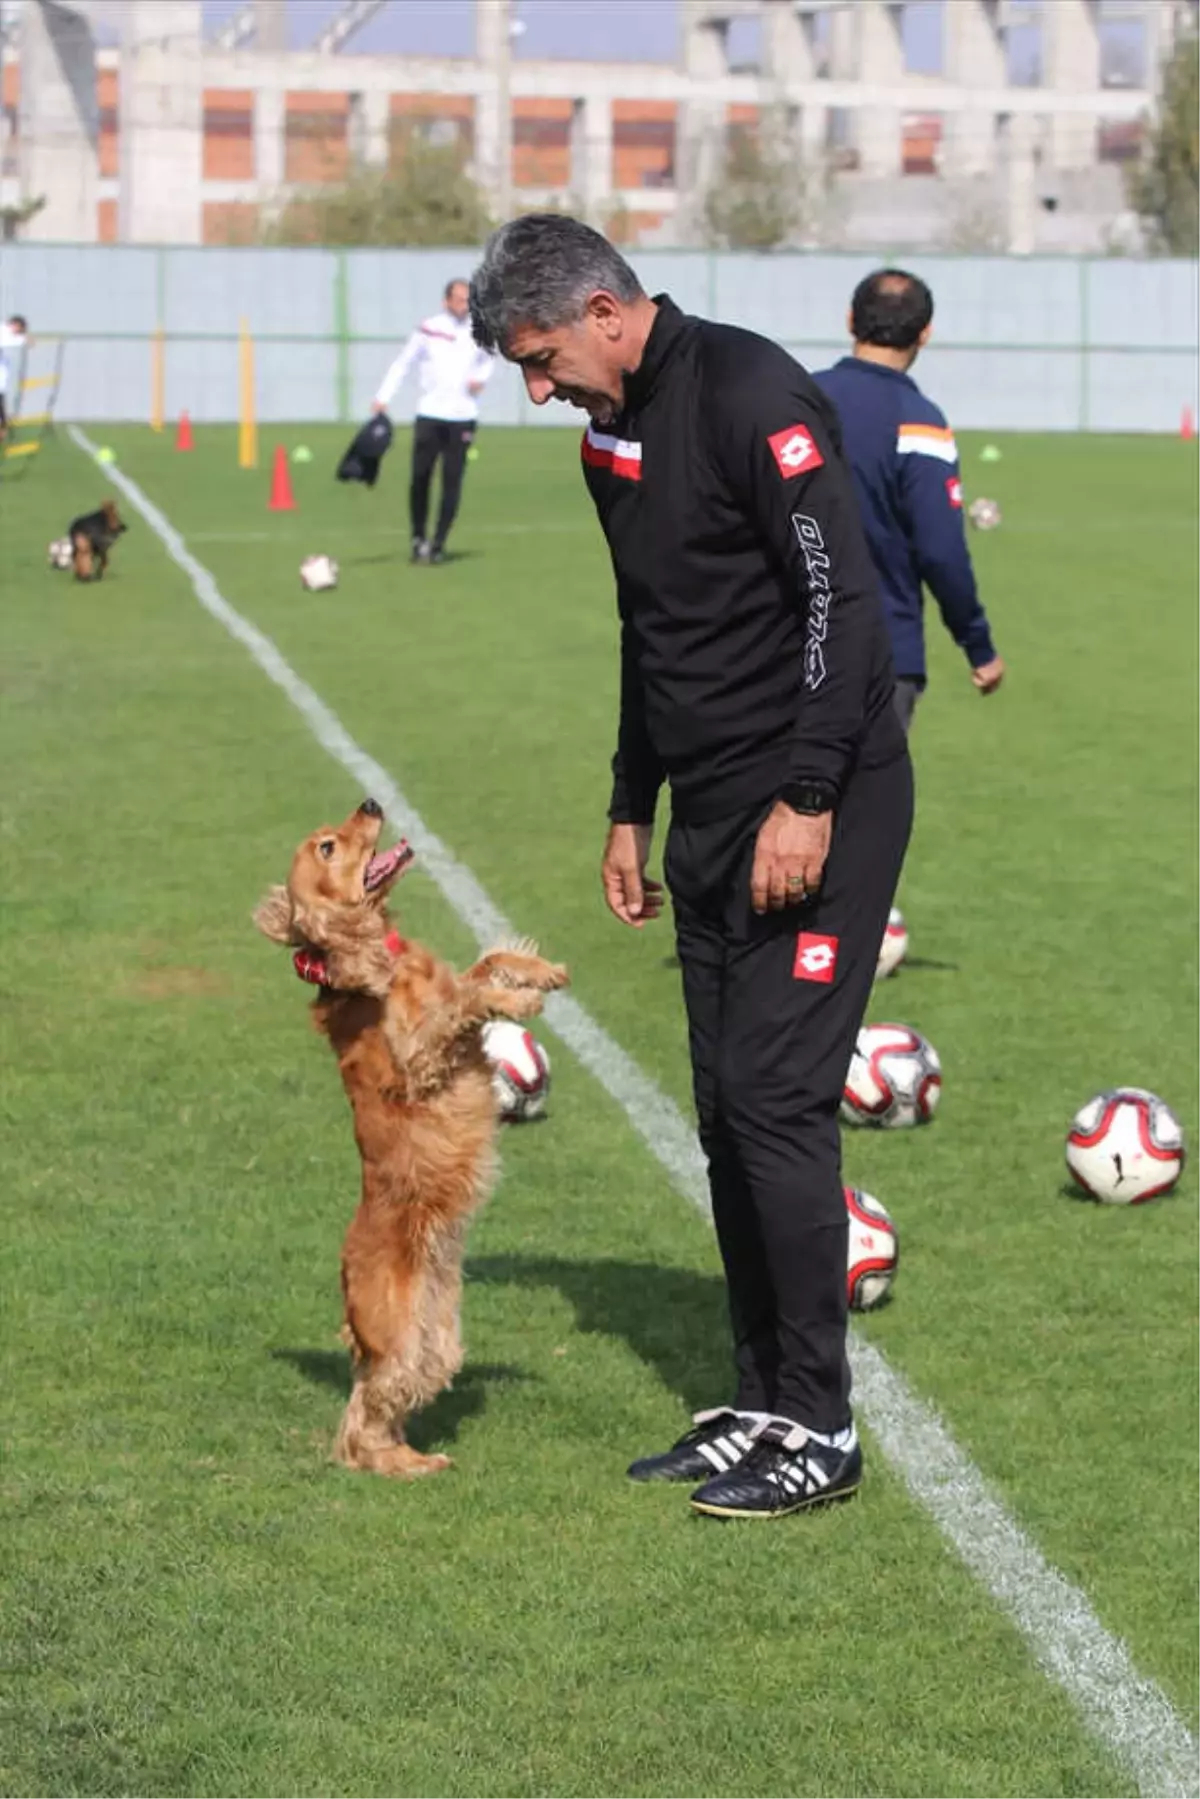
(520, 1070)
(1125, 1146)
(894, 947)
(894, 1079)
(318, 573)
(872, 1253)
(60, 553)
(985, 515)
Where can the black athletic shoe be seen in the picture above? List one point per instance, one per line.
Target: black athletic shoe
(419, 551)
(785, 1470)
(437, 553)
(716, 1443)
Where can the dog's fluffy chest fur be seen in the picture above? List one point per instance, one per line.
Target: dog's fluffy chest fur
(402, 1128)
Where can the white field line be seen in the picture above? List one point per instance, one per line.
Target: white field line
(1130, 1715)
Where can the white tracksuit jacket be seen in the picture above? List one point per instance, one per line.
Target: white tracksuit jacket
(446, 358)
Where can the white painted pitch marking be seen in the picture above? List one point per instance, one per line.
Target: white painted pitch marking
(1130, 1715)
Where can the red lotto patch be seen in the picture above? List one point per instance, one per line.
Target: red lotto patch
(816, 958)
(795, 451)
(954, 491)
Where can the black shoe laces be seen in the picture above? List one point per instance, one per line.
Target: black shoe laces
(711, 1427)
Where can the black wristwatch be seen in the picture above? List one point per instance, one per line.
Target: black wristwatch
(811, 797)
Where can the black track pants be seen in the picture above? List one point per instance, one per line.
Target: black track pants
(908, 692)
(774, 1004)
(451, 441)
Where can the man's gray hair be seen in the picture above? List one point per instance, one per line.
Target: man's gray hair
(541, 270)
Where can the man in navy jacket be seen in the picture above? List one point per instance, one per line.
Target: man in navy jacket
(906, 471)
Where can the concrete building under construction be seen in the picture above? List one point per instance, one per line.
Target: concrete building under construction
(164, 136)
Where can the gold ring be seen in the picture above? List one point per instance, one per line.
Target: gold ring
(795, 880)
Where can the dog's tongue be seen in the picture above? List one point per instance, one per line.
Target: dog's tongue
(381, 868)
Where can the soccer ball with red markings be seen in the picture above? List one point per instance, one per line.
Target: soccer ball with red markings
(894, 1079)
(873, 1251)
(1125, 1146)
(985, 515)
(520, 1070)
(894, 947)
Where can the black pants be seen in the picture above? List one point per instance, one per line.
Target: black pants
(771, 1037)
(433, 438)
(908, 692)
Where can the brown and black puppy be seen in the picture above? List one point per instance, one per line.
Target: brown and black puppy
(92, 537)
(407, 1032)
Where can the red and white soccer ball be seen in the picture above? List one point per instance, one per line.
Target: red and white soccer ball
(894, 1079)
(1125, 1146)
(894, 947)
(520, 1070)
(873, 1252)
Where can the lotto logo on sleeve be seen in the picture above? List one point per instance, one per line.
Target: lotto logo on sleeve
(954, 492)
(795, 451)
(816, 958)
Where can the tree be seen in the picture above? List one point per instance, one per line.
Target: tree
(1163, 184)
(424, 197)
(760, 198)
(13, 217)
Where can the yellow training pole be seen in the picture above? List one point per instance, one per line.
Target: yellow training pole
(248, 427)
(158, 379)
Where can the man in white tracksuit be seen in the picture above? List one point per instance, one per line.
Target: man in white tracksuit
(13, 337)
(451, 373)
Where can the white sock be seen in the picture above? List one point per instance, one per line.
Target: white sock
(838, 1439)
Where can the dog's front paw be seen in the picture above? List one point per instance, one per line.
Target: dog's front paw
(520, 1002)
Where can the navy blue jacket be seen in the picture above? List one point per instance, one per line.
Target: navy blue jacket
(905, 465)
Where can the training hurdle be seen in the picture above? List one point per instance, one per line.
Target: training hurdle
(18, 451)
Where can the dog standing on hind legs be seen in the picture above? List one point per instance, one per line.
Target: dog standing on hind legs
(406, 1030)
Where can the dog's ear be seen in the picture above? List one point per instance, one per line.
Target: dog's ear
(273, 915)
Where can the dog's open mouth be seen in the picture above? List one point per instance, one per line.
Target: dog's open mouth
(387, 866)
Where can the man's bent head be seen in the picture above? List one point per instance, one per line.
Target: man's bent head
(891, 312)
(554, 297)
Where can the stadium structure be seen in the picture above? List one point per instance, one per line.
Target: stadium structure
(131, 126)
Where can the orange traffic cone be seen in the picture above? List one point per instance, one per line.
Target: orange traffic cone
(183, 436)
(282, 499)
(1187, 424)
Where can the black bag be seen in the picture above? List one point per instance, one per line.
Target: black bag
(370, 446)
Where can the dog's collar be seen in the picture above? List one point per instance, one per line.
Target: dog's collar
(311, 966)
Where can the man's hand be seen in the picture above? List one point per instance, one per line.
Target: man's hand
(789, 857)
(988, 676)
(629, 895)
(475, 387)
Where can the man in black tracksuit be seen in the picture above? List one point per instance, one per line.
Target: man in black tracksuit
(756, 681)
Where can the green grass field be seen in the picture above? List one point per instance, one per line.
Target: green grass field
(195, 1601)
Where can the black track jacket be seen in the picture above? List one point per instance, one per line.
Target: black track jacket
(754, 650)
